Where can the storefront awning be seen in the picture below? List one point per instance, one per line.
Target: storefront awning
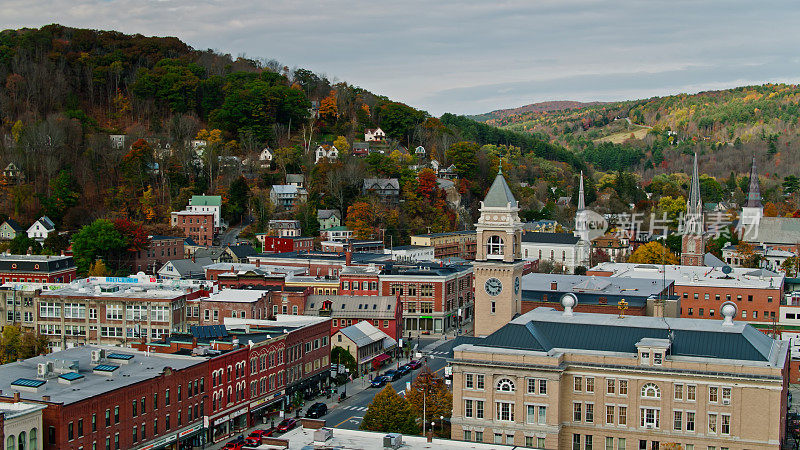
(380, 358)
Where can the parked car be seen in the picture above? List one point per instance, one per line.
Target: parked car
(404, 369)
(317, 410)
(415, 364)
(251, 442)
(378, 381)
(235, 444)
(286, 424)
(258, 434)
(393, 375)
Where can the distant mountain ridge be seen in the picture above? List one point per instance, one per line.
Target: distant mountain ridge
(540, 107)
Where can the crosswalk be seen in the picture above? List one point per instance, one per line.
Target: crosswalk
(356, 408)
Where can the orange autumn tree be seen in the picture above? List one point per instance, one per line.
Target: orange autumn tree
(361, 220)
(329, 107)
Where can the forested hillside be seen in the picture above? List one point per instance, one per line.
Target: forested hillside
(102, 124)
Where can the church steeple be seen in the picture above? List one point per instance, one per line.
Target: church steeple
(693, 240)
(581, 201)
(754, 193)
(582, 228)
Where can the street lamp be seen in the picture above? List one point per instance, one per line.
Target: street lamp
(441, 419)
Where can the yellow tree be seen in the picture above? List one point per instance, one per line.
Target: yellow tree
(653, 253)
(342, 145)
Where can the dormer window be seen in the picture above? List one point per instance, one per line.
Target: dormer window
(645, 357)
(657, 358)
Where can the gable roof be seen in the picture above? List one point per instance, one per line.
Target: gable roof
(189, 268)
(550, 238)
(295, 178)
(381, 183)
(242, 250)
(355, 306)
(499, 195)
(323, 214)
(206, 200)
(363, 333)
(14, 225)
(46, 223)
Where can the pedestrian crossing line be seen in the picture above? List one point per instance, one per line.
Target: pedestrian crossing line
(356, 408)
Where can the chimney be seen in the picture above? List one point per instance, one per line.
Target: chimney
(258, 263)
(348, 257)
(45, 398)
(16, 397)
(553, 286)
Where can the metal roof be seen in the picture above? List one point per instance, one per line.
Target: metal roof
(499, 195)
(550, 238)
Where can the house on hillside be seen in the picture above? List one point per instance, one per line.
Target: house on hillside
(360, 148)
(13, 174)
(326, 151)
(420, 151)
(266, 156)
(117, 141)
(387, 189)
(328, 218)
(10, 229)
(448, 173)
(286, 196)
(41, 229)
(296, 179)
(374, 135)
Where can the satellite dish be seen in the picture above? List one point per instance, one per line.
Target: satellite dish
(726, 270)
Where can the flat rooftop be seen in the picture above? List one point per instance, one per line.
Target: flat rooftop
(739, 277)
(11, 410)
(449, 233)
(86, 382)
(235, 296)
(634, 287)
(303, 438)
(84, 289)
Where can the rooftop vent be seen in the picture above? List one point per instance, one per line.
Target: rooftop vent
(568, 301)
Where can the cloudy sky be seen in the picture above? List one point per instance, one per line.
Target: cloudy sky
(474, 56)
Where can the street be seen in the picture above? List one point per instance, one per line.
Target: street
(348, 413)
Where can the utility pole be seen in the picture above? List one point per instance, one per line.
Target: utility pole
(424, 410)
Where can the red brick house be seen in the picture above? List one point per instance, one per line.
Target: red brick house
(159, 250)
(381, 311)
(36, 269)
(199, 226)
(275, 244)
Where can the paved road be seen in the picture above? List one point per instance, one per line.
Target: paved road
(348, 414)
(231, 234)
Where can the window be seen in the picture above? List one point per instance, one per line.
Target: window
(689, 421)
(116, 415)
(542, 387)
(713, 394)
(505, 385)
(589, 412)
(587, 442)
(468, 408)
(467, 435)
(691, 392)
(623, 387)
(134, 403)
(678, 392)
(530, 416)
(94, 422)
(650, 390)
(576, 442)
(479, 436)
(657, 358)
(478, 410)
(622, 417)
(712, 423)
(611, 385)
(649, 417)
(70, 431)
(505, 411)
(726, 396)
(725, 426)
(576, 412)
(479, 381)
(577, 383)
(645, 357)
(677, 420)
(542, 416)
(531, 385)
(113, 312)
(469, 381)
(494, 245)
(610, 414)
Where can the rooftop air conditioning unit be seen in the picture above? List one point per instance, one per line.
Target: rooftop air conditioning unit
(43, 369)
(393, 440)
(98, 355)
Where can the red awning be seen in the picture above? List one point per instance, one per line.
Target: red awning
(380, 358)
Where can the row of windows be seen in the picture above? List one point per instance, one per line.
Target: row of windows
(701, 313)
(728, 297)
(347, 322)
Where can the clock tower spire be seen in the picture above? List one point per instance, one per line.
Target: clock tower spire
(498, 260)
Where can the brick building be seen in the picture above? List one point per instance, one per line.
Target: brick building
(276, 244)
(382, 311)
(241, 303)
(115, 310)
(320, 264)
(107, 397)
(453, 244)
(36, 269)
(197, 225)
(702, 290)
(552, 380)
(159, 250)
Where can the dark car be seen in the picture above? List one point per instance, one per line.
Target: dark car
(415, 364)
(404, 369)
(317, 410)
(393, 375)
(378, 381)
(286, 424)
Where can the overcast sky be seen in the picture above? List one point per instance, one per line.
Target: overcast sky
(474, 56)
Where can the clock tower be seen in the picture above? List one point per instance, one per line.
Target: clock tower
(498, 259)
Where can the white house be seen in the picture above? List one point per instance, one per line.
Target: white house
(328, 151)
(560, 248)
(374, 134)
(117, 141)
(41, 229)
(266, 156)
(419, 151)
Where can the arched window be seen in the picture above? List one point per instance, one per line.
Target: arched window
(22, 440)
(650, 390)
(34, 439)
(11, 443)
(494, 246)
(505, 385)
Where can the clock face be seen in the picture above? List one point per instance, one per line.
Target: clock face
(493, 286)
(516, 285)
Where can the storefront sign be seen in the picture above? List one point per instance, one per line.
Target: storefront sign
(230, 416)
(190, 430)
(164, 440)
(265, 400)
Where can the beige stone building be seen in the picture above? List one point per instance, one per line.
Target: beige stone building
(564, 380)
